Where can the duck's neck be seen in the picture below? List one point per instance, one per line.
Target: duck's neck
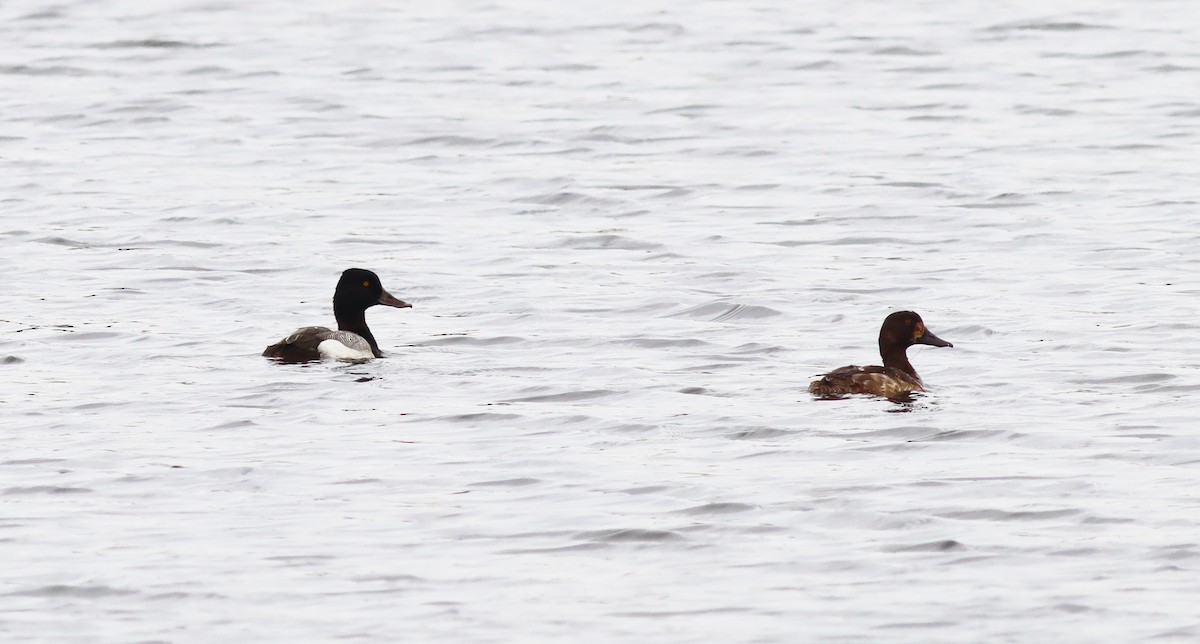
(354, 320)
(897, 358)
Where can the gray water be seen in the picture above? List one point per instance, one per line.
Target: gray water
(632, 234)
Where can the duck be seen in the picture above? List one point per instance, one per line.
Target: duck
(357, 290)
(896, 379)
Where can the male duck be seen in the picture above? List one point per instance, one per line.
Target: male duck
(357, 291)
(896, 379)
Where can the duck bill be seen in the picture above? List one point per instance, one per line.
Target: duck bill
(932, 340)
(387, 299)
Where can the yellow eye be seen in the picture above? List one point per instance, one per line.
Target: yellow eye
(366, 283)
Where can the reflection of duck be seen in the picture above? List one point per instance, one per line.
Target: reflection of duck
(357, 291)
(896, 378)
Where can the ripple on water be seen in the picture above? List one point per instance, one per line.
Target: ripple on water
(717, 508)
(1131, 379)
(760, 433)
(474, 417)
(50, 70)
(470, 340)
(569, 199)
(702, 391)
(944, 545)
(450, 140)
(78, 592)
(605, 242)
(1002, 515)
(47, 489)
(629, 535)
(568, 396)
(726, 312)
(152, 43)
(659, 343)
(1045, 25)
(517, 482)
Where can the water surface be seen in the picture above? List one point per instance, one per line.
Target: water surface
(631, 234)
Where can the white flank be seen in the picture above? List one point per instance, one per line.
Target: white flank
(334, 350)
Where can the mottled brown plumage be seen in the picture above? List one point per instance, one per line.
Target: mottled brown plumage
(896, 378)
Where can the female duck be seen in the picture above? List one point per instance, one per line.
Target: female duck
(896, 378)
(357, 291)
